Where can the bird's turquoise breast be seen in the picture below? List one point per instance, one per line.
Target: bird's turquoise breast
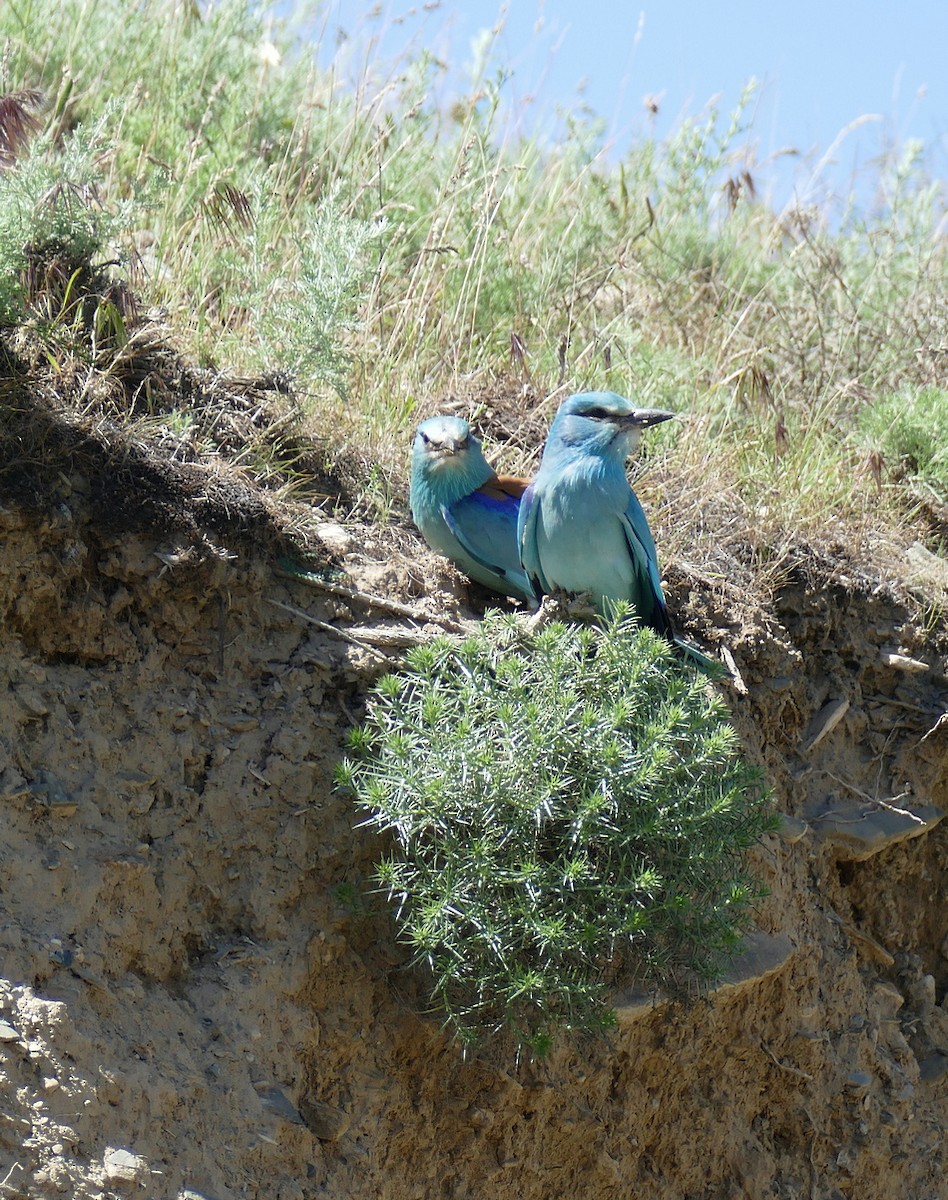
(581, 542)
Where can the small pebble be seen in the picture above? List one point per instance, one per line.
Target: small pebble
(279, 1103)
(858, 1082)
(824, 723)
(902, 662)
(791, 829)
(326, 1122)
(334, 536)
(122, 1166)
(933, 1066)
(31, 702)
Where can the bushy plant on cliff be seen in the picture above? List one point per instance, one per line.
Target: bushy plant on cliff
(568, 810)
(300, 317)
(53, 224)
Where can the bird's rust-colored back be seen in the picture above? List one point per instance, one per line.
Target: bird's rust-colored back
(501, 487)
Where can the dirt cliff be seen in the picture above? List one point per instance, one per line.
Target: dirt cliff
(198, 999)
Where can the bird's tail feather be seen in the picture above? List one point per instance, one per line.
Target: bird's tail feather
(696, 658)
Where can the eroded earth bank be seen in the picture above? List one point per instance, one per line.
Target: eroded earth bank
(198, 1000)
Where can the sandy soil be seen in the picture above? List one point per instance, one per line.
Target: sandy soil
(198, 1001)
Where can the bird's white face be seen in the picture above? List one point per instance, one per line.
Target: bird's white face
(441, 440)
(605, 422)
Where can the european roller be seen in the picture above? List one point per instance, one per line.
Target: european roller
(464, 510)
(581, 526)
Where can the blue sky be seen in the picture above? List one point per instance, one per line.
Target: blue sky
(820, 67)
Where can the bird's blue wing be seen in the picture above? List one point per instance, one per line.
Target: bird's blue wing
(485, 525)
(527, 541)
(642, 549)
(473, 527)
(651, 601)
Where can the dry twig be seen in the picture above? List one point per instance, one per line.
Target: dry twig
(343, 634)
(382, 603)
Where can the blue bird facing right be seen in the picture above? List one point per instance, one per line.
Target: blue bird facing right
(581, 526)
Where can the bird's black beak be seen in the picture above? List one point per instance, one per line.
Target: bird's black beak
(642, 418)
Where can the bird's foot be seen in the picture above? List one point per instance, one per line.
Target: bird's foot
(578, 606)
(548, 611)
(563, 606)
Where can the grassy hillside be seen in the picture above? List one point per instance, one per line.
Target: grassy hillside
(385, 254)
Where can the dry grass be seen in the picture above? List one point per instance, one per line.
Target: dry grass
(361, 259)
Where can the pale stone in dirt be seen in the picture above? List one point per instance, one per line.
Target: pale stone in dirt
(123, 1167)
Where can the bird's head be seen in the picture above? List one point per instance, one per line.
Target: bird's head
(443, 443)
(446, 461)
(602, 423)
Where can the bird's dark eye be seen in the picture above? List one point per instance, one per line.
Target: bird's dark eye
(597, 414)
(425, 438)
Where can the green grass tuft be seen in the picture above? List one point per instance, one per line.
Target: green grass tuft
(910, 432)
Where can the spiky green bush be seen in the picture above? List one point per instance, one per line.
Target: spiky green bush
(569, 811)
